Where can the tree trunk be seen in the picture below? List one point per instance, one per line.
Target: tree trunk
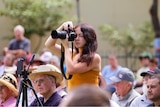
(38, 45)
(154, 17)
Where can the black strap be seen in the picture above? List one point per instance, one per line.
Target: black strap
(61, 64)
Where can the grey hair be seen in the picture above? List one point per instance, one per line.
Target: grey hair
(52, 77)
(19, 27)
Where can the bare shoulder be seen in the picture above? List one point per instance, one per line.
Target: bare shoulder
(97, 57)
(96, 62)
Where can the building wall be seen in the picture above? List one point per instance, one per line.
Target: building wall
(119, 13)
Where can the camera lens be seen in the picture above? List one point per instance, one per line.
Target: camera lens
(58, 34)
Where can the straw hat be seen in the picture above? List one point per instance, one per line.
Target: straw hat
(10, 81)
(47, 69)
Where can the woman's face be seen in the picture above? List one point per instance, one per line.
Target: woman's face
(79, 40)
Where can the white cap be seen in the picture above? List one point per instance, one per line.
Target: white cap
(46, 56)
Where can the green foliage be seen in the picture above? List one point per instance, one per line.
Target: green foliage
(132, 39)
(37, 16)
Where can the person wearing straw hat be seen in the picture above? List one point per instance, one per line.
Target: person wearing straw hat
(8, 90)
(45, 79)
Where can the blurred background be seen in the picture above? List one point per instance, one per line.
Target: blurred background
(123, 26)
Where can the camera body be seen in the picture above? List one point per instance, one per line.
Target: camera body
(20, 66)
(62, 34)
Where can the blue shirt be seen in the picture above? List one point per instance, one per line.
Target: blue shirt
(54, 100)
(157, 45)
(22, 44)
(107, 73)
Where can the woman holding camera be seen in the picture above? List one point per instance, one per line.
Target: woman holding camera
(85, 66)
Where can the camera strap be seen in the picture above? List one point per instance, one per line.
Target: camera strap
(61, 64)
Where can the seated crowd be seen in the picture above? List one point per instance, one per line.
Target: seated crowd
(42, 83)
(51, 87)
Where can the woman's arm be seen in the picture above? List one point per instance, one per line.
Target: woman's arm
(51, 43)
(52, 46)
(74, 67)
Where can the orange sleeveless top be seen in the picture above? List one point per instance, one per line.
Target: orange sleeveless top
(89, 77)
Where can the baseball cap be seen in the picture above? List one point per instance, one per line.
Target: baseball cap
(151, 72)
(124, 74)
(145, 55)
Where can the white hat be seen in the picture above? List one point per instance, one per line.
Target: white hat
(46, 56)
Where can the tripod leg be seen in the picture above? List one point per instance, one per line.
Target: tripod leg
(25, 98)
(19, 94)
(29, 82)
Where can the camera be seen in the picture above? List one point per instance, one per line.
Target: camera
(20, 65)
(62, 34)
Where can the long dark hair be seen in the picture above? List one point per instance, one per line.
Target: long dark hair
(91, 45)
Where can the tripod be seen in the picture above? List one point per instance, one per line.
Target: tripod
(25, 83)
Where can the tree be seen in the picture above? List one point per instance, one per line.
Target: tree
(156, 27)
(131, 41)
(154, 17)
(37, 16)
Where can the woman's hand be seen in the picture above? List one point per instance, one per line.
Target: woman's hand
(67, 25)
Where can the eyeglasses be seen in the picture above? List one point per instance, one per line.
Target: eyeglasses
(2, 87)
(38, 81)
(6, 77)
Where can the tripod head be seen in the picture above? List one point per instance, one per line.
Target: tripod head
(21, 69)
